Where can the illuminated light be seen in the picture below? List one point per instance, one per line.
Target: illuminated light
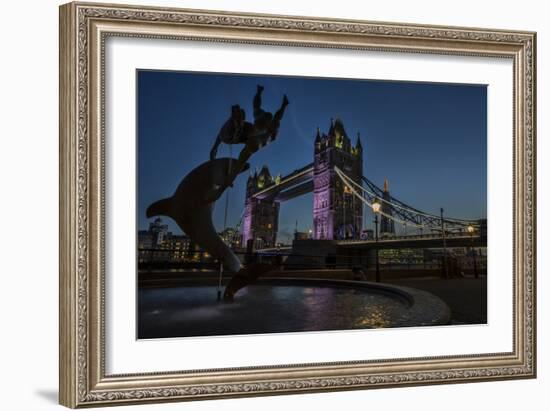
(375, 206)
(471, 229)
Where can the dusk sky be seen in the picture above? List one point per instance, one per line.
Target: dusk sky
(429, 140)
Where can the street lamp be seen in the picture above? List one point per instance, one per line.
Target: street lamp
(376, 209)
(471, 231)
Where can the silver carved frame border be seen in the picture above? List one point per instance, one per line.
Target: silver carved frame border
(83, 30)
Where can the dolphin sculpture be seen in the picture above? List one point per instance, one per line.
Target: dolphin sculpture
(191, 208)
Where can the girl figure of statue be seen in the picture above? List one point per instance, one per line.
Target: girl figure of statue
(236, 130)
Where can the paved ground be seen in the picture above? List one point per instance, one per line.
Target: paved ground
(466, 297)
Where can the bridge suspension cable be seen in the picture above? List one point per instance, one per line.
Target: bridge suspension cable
(400, 212)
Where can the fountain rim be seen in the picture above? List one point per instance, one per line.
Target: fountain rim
(417, 300)
(403, 292)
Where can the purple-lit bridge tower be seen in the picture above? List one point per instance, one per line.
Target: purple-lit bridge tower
(337, 214)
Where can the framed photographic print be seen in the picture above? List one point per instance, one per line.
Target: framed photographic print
(259, 204)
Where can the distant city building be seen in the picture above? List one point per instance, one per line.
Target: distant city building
(401, 256)
(178, 246)
(463, 254)
(145, 239)
(158, 231)
(462, 257)
(337, 214)
(157, 244)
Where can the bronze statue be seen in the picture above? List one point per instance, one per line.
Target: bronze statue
(237, 130)
(192, 203)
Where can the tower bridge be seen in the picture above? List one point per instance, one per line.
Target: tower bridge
(340, 192)
(335, 215)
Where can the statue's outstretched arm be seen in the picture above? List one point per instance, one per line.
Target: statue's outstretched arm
(279, 114)
(257, 101)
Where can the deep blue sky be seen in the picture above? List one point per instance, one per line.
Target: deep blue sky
(429, 140)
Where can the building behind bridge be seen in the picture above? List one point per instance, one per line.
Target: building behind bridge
(158, 245)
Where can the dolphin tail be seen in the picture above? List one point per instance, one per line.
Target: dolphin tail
(161, 207)
(244, 277)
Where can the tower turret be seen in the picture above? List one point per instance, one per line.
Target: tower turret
(318, 140)
(387, 226)
(358, 145)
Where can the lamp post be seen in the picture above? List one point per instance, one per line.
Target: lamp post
(445, 271)
(471, 231)
(376, 210)
(345, 204)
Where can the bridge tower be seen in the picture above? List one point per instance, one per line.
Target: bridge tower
(337, 213)
(261, 216)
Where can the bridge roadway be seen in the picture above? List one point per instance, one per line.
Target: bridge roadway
(411, 241)
(424, 241)
(292, 185)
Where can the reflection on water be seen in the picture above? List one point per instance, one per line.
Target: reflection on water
(194, 311)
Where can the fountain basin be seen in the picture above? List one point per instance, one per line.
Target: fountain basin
(275, 305)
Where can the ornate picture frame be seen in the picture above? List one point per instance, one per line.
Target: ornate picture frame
(84, 29)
